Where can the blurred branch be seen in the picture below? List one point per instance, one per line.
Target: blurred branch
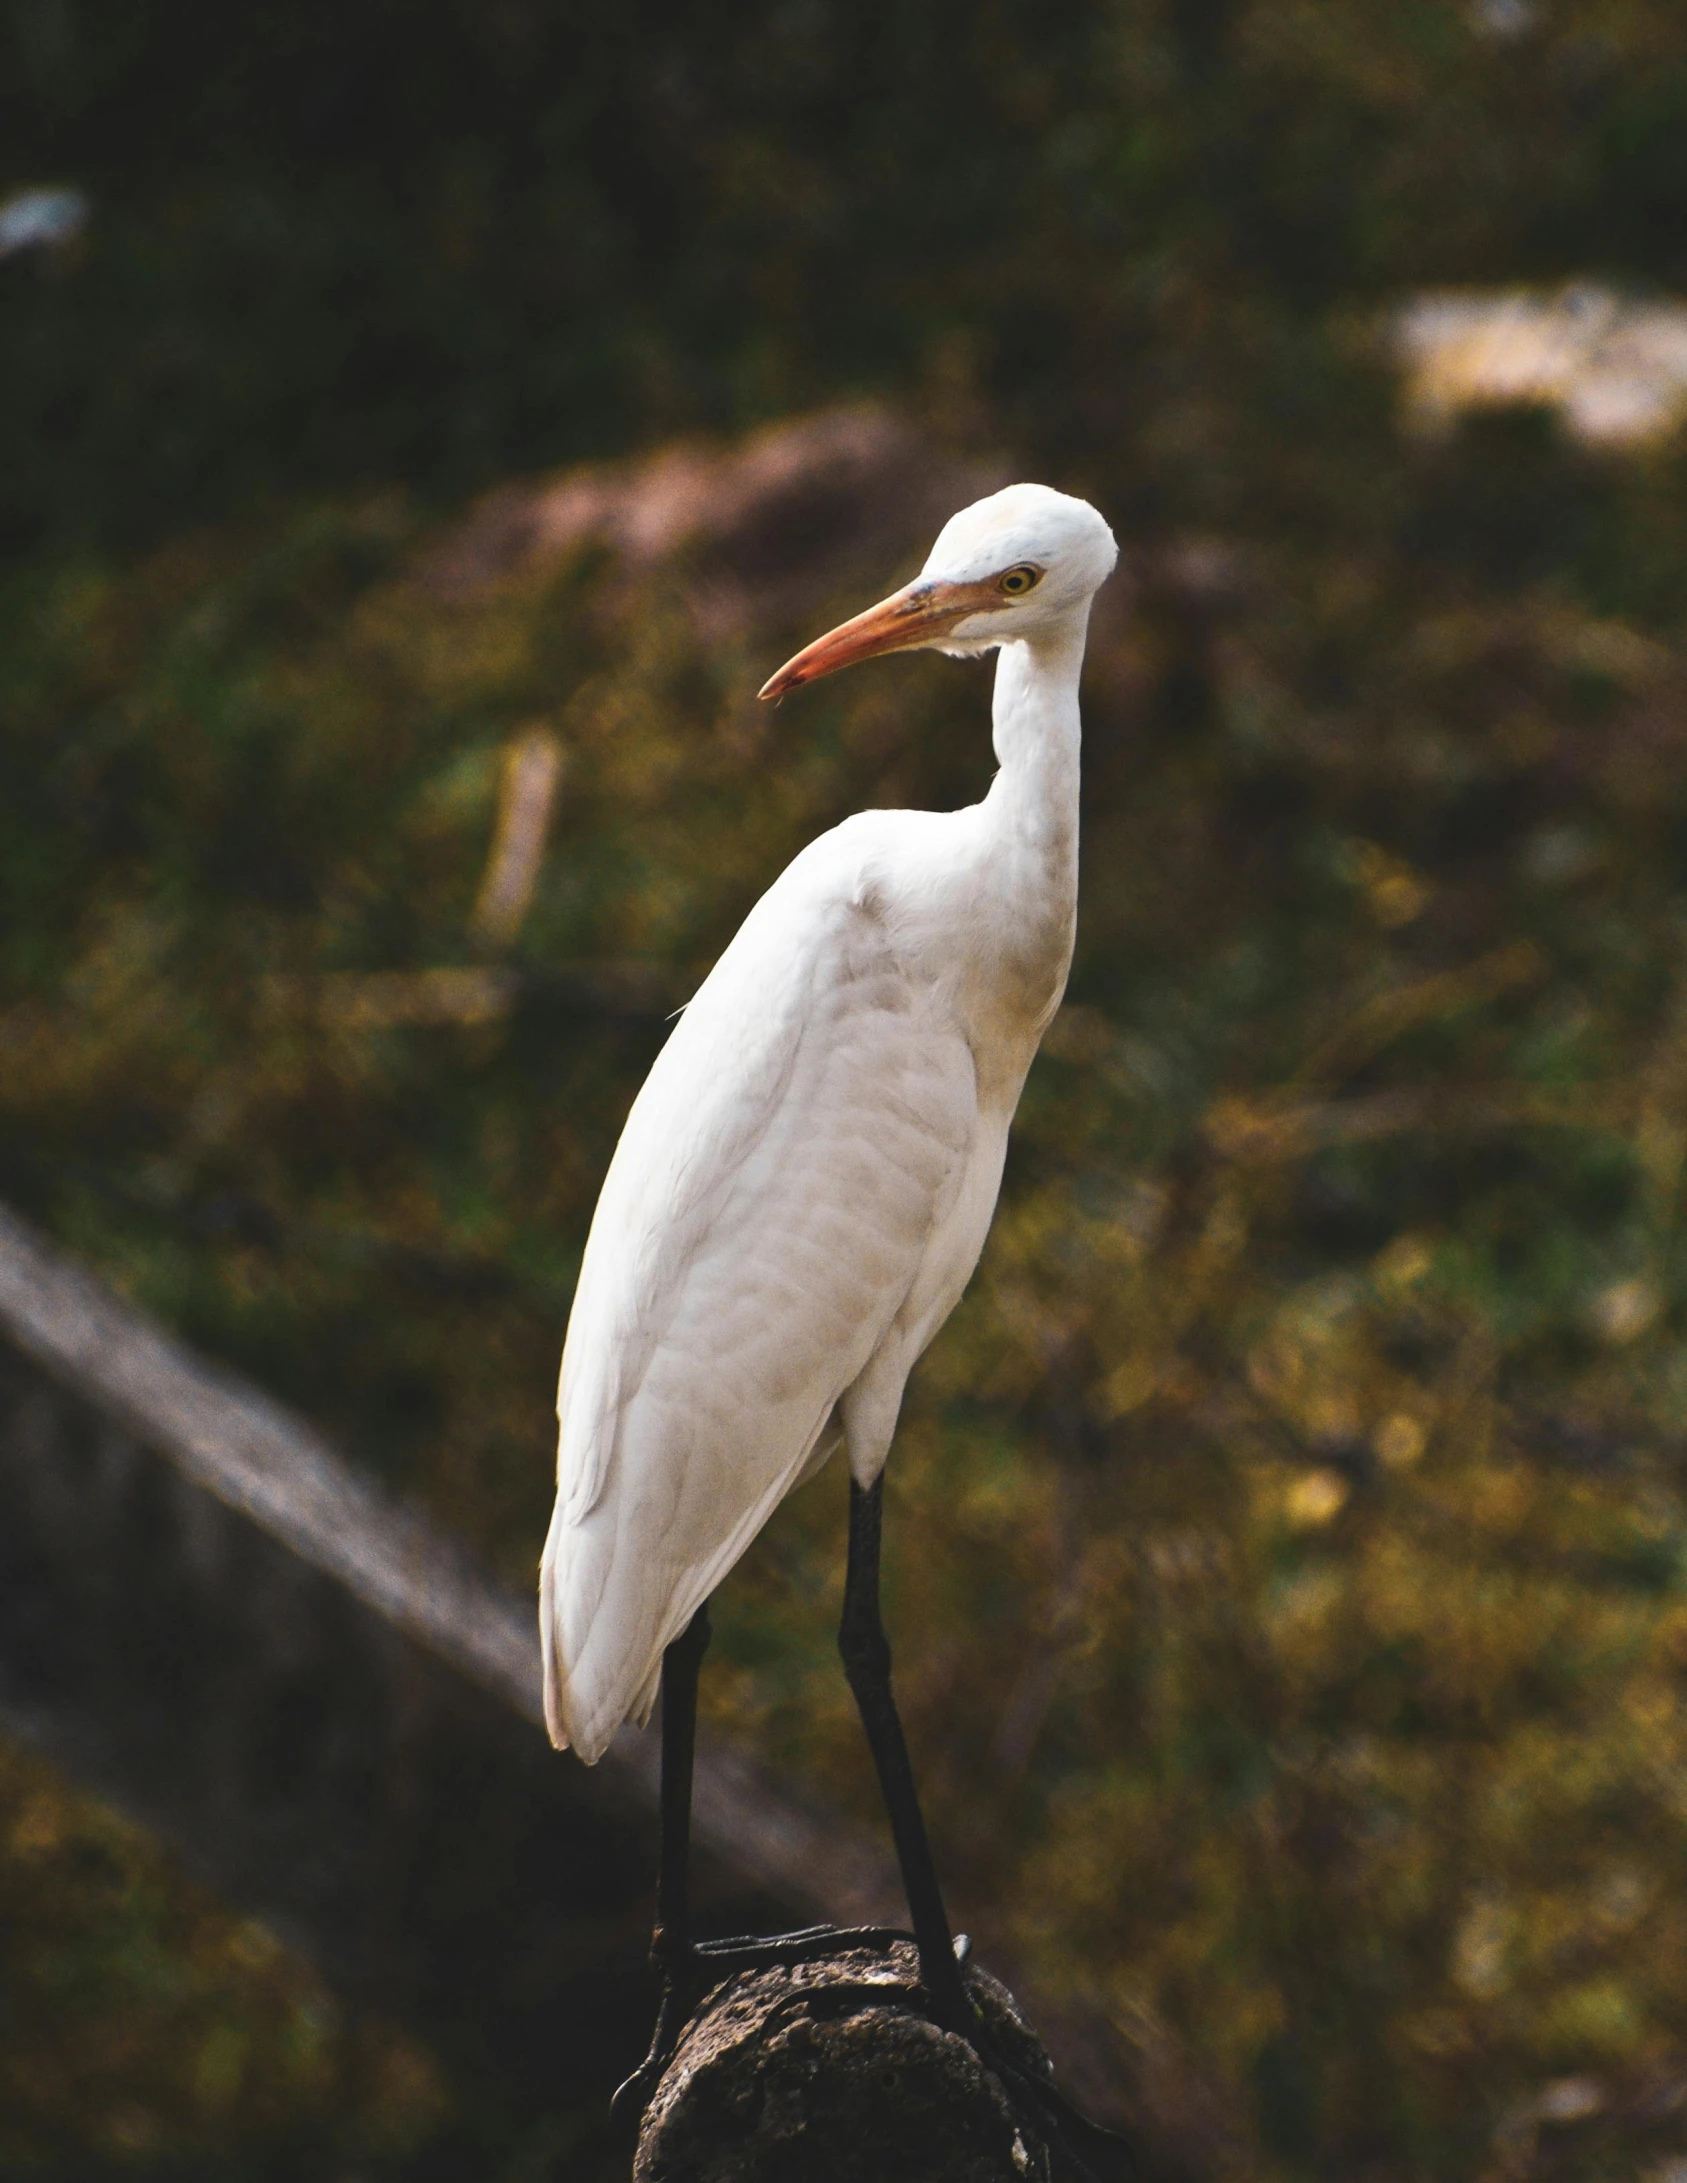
(533, 762)
(1261, 1130)
(385, 1000)
(222, 1217)
(1387, 1016)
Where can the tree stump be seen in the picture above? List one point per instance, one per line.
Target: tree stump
(829, 2072)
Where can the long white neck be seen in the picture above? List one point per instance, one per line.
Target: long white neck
(1030, 816)
(1032, 806)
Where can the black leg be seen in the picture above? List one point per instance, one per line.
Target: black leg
(866, 1659)
(671, 1946)
(1082, 2151)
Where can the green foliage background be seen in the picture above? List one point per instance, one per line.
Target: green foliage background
(1290, 1531)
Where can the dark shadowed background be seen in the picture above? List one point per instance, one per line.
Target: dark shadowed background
(1288, 1537)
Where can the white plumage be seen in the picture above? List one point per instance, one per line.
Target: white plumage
(806, 1179)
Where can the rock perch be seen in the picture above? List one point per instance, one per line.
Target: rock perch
(830, 2072)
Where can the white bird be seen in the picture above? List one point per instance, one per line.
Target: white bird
(805, 1181)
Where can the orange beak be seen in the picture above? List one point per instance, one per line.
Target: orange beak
(919, 614)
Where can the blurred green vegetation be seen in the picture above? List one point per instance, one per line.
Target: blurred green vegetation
(1289, 1534)
(137, 2017)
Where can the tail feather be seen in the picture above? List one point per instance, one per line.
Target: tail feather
(607, 1610)
(556, 1724)
(589, 1688)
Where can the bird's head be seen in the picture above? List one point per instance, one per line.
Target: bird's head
(1013, 566)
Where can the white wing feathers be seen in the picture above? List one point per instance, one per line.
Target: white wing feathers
(803, 1134)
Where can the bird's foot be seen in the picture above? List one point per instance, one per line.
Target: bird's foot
(631, 2098)
(720, 1959)
(1082, 2151)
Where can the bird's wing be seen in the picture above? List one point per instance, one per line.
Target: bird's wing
(802, 1135)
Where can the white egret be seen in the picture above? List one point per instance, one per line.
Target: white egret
(804, 1185)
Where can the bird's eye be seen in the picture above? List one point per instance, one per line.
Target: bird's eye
(1018, 581)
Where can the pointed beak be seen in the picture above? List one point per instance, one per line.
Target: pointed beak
(921, 613)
